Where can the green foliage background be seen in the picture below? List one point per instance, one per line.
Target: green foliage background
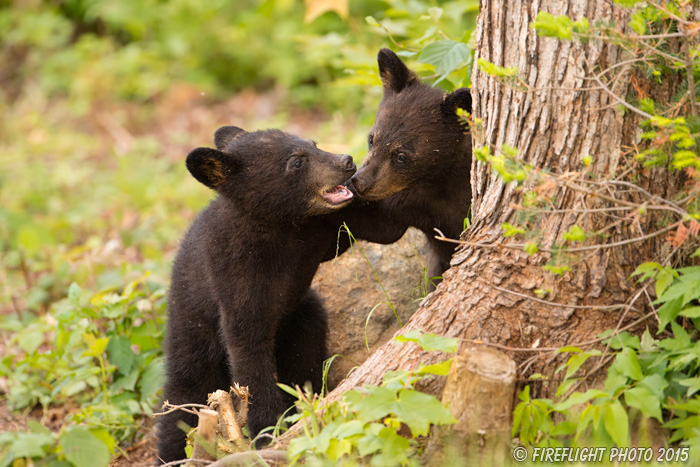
(94, 194)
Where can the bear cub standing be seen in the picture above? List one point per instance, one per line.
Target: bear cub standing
(240, 308)
(416, 173)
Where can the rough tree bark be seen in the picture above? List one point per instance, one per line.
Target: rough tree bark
(553, 126)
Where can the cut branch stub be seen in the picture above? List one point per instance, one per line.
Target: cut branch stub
(229, 422)
(479, 391)
(205, 437)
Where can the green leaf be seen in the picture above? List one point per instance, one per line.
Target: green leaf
(104, 435)
(565, 386)
(624, 339)
(74, 294)
(445, 55)
(681, 336)
(510, 230)
(38, 428)
(684, 158)
(348, 429)
(585, 420)
(393, 448)
(120, 354)
(338, 448)
(647, 343)
(419, 411)
(627, 3)
(628, 364)
(377, 404)
(517, 418)
(617, 423)
(29, 237)
(575, 234)
(127, 382)
(647, 105)
(530, 248)
(693, 385)
(554, 269)
(289, 390)
(569, 348)
(582, 26)
(371, 21)
(83, 449)
(548, 25)
(370, 442)
(440, 369)
(96, 347)
(524, 395)
(686, 288)
(655, 384)
(30, 445)
(668, 312)
(493, 70)
(435, 13)
(645, 268)
(578, 398)
(152, 379)
(563, 429)
(574, 363)
(30, 340)
(691, 312)
(640, 398)
(430, 341)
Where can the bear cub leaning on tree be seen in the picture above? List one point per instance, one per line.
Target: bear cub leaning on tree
(240, 308)
(416, 173)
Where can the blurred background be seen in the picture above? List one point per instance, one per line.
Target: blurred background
(101, 101)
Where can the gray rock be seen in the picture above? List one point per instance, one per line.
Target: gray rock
(351, 291)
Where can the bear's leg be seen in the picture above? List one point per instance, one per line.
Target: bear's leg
(251, 351)
(171, 438)
(439, 256)
(191, 375)
(300, 345)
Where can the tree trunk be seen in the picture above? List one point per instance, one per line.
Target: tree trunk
(488, 294)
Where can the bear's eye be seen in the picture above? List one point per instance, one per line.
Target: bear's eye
(401, 157)
(370, 140)
(294, 162)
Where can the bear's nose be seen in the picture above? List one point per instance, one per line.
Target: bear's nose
(347, 163)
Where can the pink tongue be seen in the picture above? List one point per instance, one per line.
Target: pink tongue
(338, 195)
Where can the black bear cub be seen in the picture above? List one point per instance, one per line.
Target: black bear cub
(240, 308)
(418, 165)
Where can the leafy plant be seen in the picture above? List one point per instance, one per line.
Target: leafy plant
(114, 379)
(365, 427)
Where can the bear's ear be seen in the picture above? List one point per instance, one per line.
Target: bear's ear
(394, 73)
(211, 167)
(461, 98)
(225, 135)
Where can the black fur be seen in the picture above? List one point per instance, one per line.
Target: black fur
(395, 76)
(240, 308)
(417, 170)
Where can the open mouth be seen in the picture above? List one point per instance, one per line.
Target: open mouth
(337, 195)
